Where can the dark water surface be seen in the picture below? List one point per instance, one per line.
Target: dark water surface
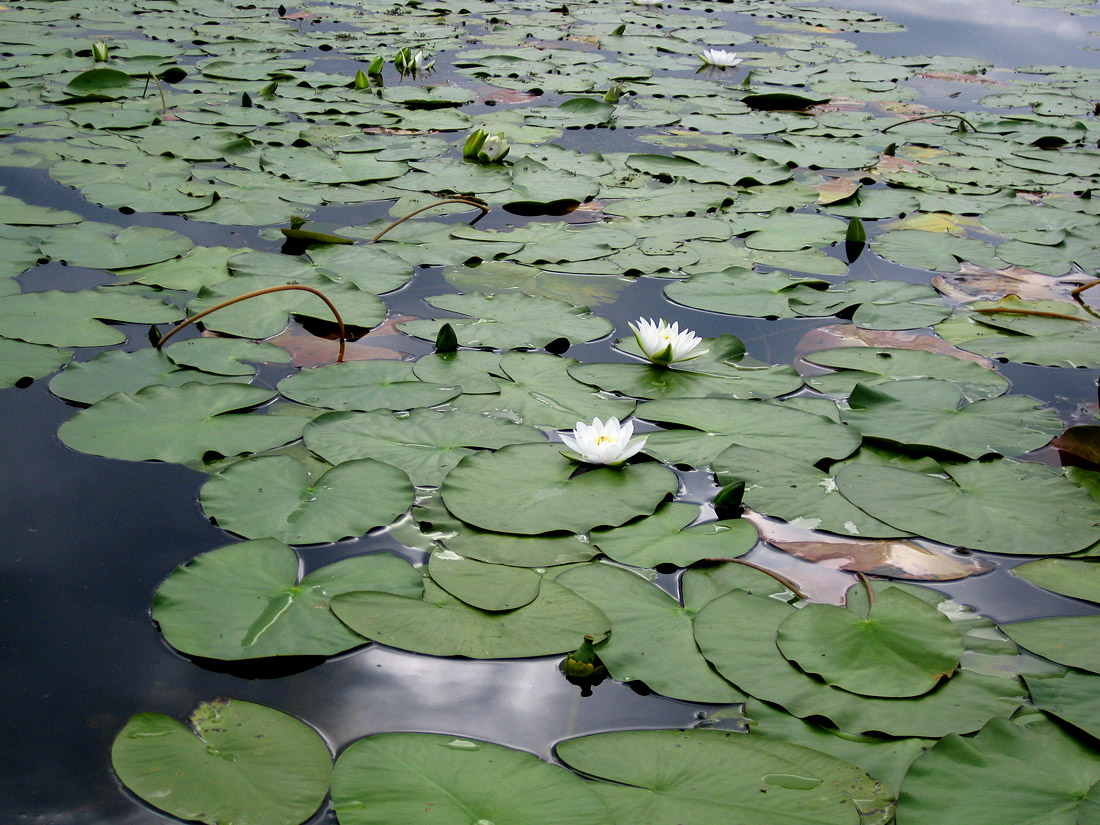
(87, 540)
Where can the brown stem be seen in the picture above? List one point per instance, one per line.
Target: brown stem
(253, 294)
(870, 592)
(782, 580)
(163, 102)
(960, 118)
(468, 201)
(1076, 293)
(1040, 312)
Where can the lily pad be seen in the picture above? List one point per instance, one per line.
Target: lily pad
(458, 780)
(1002, 506)
(929, 413)
(245, 601)
(86, 382)
(1067, 640)
(485, 586)
(69, 319)
(651, 638)
(179, 424)
(1037, 771)
(234, 762)
(1070, 577)
(666, 538)
(902, 647)
(532, 488)
(102, 246)
(1072, 696)
(365, 386)
(20, 361)
(440, 625)
(426, 444)
(276, 496)
(697, 777)
(510, 321)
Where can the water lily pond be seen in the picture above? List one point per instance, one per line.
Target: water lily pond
(639, 412)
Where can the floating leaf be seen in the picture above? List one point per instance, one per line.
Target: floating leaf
(651, 639)
(275, 496)
(484, 586)
(234, 762)
(1067, 640)
(400, 775)
(20, 362)
(531, 488)
(86, 382)
(103, 246)
(1078, 579)
(1072, 696)
(902, 647)
(440, 625)
(999, 506)
(179, 424)
(365, 386)
(69, 318)
(245, 601)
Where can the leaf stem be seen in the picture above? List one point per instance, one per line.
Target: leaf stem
(870, 592)
(468, 201)
(787, 583)
(163, 102)
(960, 118)
(253, 294)
(1076, 294)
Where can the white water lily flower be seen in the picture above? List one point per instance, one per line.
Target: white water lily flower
(663, 344)
(493, 149)
(603, 443)
(721, 59)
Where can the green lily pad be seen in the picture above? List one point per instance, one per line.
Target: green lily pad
(365, 386)
(530, 489)
(459, 780)
(179, 424)
(276, 496)
(938, 251)
(426, 444)
(20, 361)
(796, 491)
(69, 319)
(878, 304)
(539, 391)
(718, 423)
(541, 190)
(666, 538)
(902, 647)
(102, 246)
(1001, 506)
(245, 601)
(930, 413)
(1070, 577)
(1067, 640)
(874, 365)
(440, 625)
(752, 661)
(225, 356)
(485, 586)
(233, 762)
(696, 777)
(510, 321)
(651, 638)
(470, 370)
(1072, 696)
(1037, 771)
(86, 382)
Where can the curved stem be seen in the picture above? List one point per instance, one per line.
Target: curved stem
(1076, 293)
(787, 583)
(468, 201)
(253, 294)
(870, 592)
(960, 118)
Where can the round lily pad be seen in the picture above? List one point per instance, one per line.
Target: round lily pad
(234, 762)
(1001, 506)
(482, 585)
(244, 601)
(179, 424)
(556, 621)
(533, 488)
(903, 647)
(20, 361)
(395, 778)
(365, 386)
(86, 382)
(1068, 640)
(699, 777)
(1070, 577)
(274, 496)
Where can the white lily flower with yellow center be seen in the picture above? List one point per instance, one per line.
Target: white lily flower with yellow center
(721, 59)
(664, 344)
(601, 442)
